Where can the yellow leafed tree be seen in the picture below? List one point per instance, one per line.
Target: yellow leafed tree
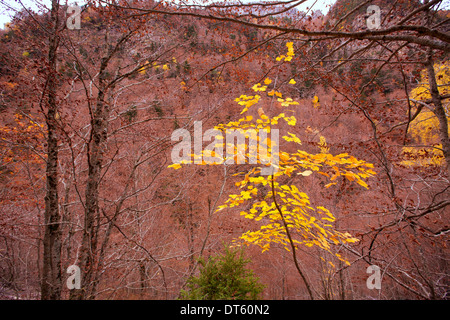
(424, 128)
(285, 210)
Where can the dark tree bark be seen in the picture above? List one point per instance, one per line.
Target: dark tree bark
(51, 283)
(89, 261)
(95, 151)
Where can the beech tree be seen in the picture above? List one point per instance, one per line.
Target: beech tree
(293, 209)
(52, 273)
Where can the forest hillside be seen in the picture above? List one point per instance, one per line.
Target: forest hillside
(150, 148)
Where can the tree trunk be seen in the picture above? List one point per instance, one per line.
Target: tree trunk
(95, 151)
(90, 258)
(92, 211)
(439, 110)
(51, 274)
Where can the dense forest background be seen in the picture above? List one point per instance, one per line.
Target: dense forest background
(86, 118)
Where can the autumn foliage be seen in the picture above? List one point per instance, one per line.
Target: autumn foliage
(338, 158)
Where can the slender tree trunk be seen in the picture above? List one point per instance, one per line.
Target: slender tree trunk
(288, 233)
(51, 274)
(90, 256)
(88, 252)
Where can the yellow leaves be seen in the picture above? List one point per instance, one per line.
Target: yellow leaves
(292, 137)
(290, 47)
(323, 145)
(324, 174)
(325, 211)
(247, 101)
(292, 121)
(349, 238)
(289, 55)
(292, 81)
(267, 81)
(287, 102)
(288, 170)
(237, 199)
(166, 67)
(25, 54)
(239, 125)
(422, 157)
(143, 69)
(175, 166)
(316, 102)
(442, 72)
(272, 93)
(349, 175)
(421, 93)
(257, 87)
(284, 156)
(262, 115)
(24, 131)
(290, 52)
(330, 184)
(265, 247)
(183, 86)
(246, 195)
(313, 225)
(362, 183)
(425, 127)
